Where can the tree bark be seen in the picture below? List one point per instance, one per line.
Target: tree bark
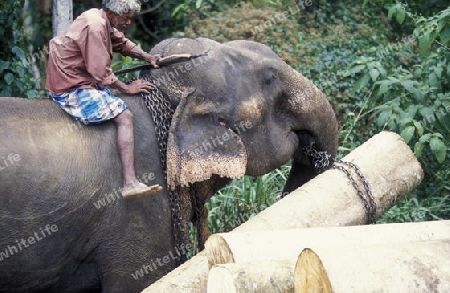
(62, 15)
(390, 168)
(190, 277)
(275, 276)
(421, 266)
(240, 247)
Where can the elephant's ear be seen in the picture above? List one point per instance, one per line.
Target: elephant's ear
(201, 145)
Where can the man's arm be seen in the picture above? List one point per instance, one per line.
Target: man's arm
(126, 47)
(137, 52)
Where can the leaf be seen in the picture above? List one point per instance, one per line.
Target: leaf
(438, 148)
(19, 53)
(408, 133)
(432, 79)
(400, 16)
(445, 35)
(356, 69)
(409, 86)
(391, 11)
(425, 138)
(3, 65)
(425, 43)
(374, 74)
(198, 3)
(438, 71)
(384, 117)
(384, 87)
(419, 127)
(418, 149)
(9, 78)
(178, 9)
(360, 83)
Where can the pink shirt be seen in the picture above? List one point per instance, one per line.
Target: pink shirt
(81, 56)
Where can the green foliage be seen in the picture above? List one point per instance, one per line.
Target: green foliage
(16, 77)
(124, 62)
(244, 198)
(412, 209)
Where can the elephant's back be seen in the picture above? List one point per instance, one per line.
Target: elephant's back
(184, 46)
(44, 156)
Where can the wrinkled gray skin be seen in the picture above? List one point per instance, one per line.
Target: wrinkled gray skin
(55, 179)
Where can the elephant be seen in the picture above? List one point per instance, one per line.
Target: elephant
(238, 110)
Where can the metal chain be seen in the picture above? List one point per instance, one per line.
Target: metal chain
(323, 161)
(162, 111)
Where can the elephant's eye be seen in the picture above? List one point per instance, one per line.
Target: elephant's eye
(270, 77)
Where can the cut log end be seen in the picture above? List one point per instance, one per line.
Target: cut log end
(310, 275)
(222, 280)
(216, 246)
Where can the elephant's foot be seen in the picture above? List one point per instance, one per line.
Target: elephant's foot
(140, 189)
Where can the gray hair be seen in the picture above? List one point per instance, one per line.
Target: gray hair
(122, 7)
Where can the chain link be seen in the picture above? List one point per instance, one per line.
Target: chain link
(162, 111)
(323, 161)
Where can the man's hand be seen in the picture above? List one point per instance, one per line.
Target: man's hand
(139, 86)
(135, 87)
(153, 59)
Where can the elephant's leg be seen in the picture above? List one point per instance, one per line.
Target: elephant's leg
(200, 221)
(184, 217)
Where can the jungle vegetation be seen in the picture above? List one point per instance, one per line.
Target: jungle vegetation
(384, 65)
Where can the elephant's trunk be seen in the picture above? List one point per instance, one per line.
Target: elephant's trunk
(314, 119)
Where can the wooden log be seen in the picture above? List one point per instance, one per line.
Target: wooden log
(402, 267)
(237, 247)
(328, 200)
(275, 276)
(390, 168)
(190, 277)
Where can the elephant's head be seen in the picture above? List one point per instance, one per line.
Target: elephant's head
(241, 110)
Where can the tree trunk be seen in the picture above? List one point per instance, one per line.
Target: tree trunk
(29, 30)
(390, 168)
(190, 277)
(62, 15)
(45, 6)
(385, 160)
(239, 247)
(421, 266)
(274, 276)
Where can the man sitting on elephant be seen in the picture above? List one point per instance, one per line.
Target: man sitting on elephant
(79, 69)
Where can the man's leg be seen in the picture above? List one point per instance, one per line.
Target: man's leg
(125, 141)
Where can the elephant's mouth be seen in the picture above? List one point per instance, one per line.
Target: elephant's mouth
(305, 140)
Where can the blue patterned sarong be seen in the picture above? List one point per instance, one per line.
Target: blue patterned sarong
(90, 105)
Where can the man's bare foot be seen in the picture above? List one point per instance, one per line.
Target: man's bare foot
(140, 189)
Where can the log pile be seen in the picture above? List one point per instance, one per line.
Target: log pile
(262, 254)
(341, 258)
